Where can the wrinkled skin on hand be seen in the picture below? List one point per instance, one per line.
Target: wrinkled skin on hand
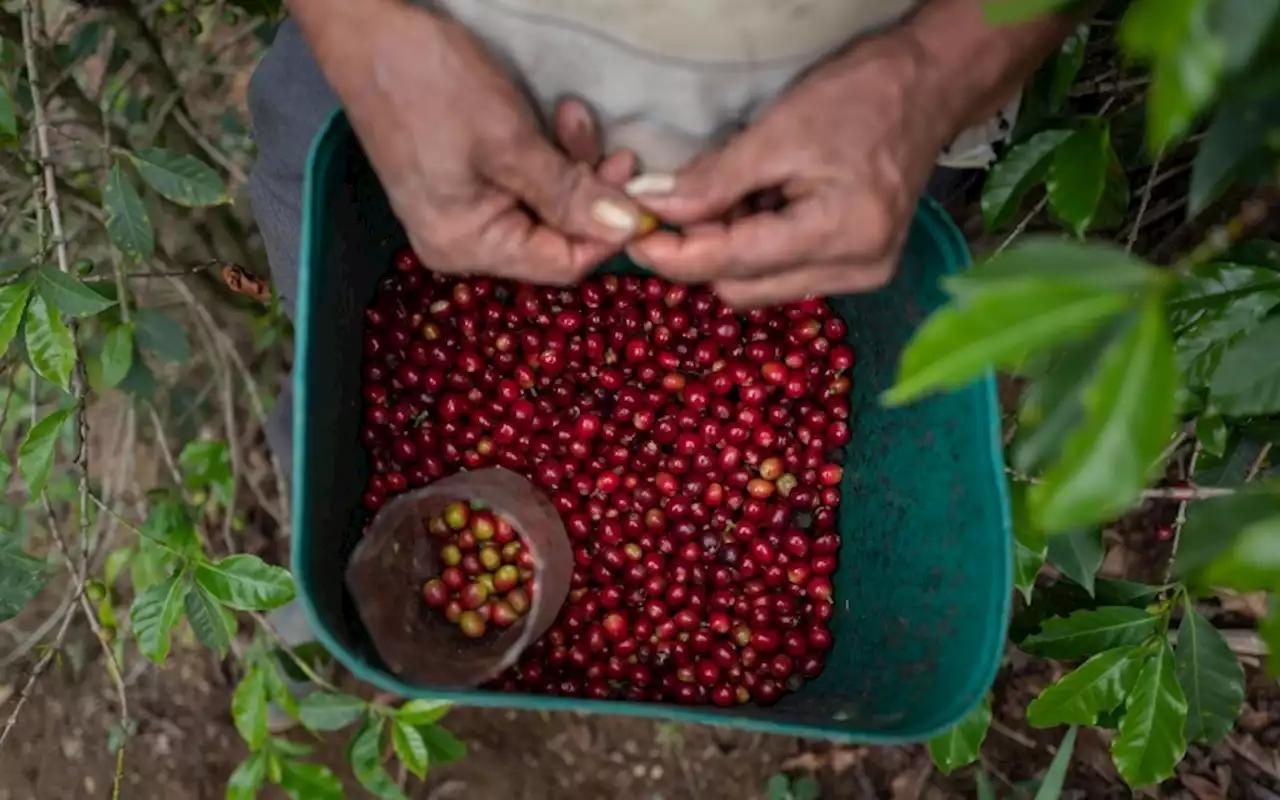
(849, 150)
(477, 184)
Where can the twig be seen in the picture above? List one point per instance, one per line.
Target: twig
(163, 441)
(218, 157)
(1022, 226)
(1256, 467)
(1009, 733)
(36, 672)
(40, 632)
(1181, 519)
(31, 30)
(90, 614)
(1142, 207)
(255, 396)
(300, 663)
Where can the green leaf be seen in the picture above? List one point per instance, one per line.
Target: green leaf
(1037, 259)
(35, 454)
(1005, 12)
(207, 463)
(169, 524)
(410, 748)
(1269, 629)
(207, 621)
(8, 119)
(982, 786)
(1052, 404)
(365, 756)
(49, 343)
(1212, 433)
(959, 746)
(1078, 176)
(278, 690)
(996, 328)
(329, 711)
(1152, 737)
(1234, 146)
(1023, 167)
(1078, 554)
(159, 333)
(1247, 380)
(180, 178)
(1051, 785)
(69, 294)
(127, 222)
(444, 747)
(805, 787)
(422, 712)
(1214, 526)
(1187, 62)
(1098, 685)
(248, 778)
(304, 781)
(1091, 631)
(21, 576)
(117, 354)
(1029, 545)
(246, 583)
(1245, 25)
(155, 612)
(249, 709)
(1067, 66)
(1181, 88)
(1210, 676)
(13, 305)
(1129, 418)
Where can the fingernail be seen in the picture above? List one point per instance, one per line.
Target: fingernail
(615, 215)
(651, 183)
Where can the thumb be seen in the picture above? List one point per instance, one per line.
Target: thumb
(712, 184)
(565, 195)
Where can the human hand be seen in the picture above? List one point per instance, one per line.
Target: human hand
(849, 149)
(476, 183)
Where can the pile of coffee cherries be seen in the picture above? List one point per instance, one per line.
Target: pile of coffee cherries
(486, 574)
(693, 453)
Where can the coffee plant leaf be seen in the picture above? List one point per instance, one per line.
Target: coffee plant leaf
(1090, 631)
(959, 745)
(1152, 735)
(1025, 166)
(1211, 678)
(1129, 419)
(1078, 177)
(1096, 686)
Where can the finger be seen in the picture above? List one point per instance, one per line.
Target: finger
(751, 245)
(617, 169)
(818, 280)
(715, 182)
(567, 196)
(576, 131)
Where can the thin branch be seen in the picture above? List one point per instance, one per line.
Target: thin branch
(36, 673)
(1181, 519)
(1142, 207)
(301, 663)
(1258, 462)
(1022, 226)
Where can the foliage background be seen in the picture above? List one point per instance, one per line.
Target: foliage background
(1130, 301)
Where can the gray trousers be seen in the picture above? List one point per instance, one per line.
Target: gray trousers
(289, 100)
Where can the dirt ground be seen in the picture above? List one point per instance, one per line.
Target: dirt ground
(184, 747)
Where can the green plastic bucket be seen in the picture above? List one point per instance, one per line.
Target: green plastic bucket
(922, 588)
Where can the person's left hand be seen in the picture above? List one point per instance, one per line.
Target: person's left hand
(849, 149)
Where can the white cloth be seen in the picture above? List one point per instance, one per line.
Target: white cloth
(670, 78)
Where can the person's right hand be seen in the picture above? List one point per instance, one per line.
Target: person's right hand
(474, 180)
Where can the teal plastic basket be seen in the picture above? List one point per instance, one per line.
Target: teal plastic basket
(922, 588)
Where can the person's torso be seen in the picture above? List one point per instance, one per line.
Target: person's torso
(668, 78)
